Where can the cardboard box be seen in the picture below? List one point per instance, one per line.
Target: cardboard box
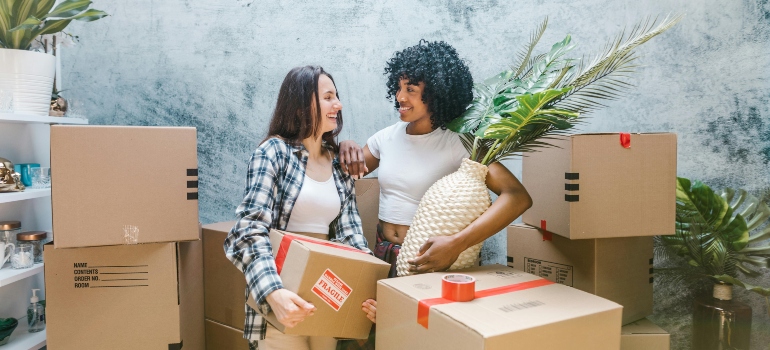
(114, 185)
(222, 337)
(368, 202)
(336, 278)
(147, 296)
(618, 269)
(224, 285)
(546, 317)
(590, 186)
(644, 335)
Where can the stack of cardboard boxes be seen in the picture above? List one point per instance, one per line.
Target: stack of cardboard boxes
(598, 200)
(125, 267)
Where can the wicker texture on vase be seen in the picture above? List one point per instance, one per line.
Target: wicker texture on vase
(449, 206)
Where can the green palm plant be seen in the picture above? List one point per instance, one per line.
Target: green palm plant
(720, 235)
(21, 21)
(547, 94)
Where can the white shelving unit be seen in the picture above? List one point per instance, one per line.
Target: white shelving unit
(33, 119)
(27, 194)
(9, 275)
(26, 139)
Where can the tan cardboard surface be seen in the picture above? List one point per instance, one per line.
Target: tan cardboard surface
(224, 284)
(113, 185)
(619, 192)
(308, 265)
(368, 202)
(124, 297)
(618, 269)
(191, 294)
(222, 337)
(644, 335)
(547, 317)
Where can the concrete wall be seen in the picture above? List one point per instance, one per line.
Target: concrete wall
(217, 65)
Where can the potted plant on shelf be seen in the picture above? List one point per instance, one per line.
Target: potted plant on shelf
(28, 75)
(515, 111)
(719, 237)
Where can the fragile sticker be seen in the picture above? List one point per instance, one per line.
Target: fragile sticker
(332, 290)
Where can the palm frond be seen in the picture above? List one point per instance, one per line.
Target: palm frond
(606, 76)
(526, 52)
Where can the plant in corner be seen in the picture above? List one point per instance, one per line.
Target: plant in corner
(719, 236)
(29, 75)
(541, 96)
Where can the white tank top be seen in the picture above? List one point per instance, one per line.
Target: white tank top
(317, 205)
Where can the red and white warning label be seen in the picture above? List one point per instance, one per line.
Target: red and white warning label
(332, 289)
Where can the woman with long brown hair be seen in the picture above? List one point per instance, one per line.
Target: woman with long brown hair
(294, 183)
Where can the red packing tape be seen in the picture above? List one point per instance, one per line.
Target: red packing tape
(625, 140)
(547, 236)
(458, 287)
(283, 248)
(423, 306)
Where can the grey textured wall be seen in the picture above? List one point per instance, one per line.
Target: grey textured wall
(217, 65)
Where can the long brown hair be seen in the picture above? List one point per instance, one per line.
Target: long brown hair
(298, 100)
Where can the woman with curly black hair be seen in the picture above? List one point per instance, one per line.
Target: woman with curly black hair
(431, 85)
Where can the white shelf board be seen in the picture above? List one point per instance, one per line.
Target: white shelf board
(21, 339)
(27, 194)
(9, 275)
(26, 118)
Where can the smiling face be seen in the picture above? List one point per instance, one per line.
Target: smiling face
(330, 104)
(409, 98)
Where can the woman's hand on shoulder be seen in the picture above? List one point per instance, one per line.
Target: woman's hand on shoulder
(352, 159)
(289, 308)
(369, 307)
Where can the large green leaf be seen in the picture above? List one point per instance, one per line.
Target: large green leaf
(30, 23)
(53, 26)
(19, 14)
(43, 7)
(529, 112)
(546, 70)
(68, 8)
(89, 15)
(699, 203)
(5, 21)
(479, 112)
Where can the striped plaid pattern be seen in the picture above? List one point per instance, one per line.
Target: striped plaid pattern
(275, 175)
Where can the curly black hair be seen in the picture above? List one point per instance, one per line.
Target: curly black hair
(448, 81)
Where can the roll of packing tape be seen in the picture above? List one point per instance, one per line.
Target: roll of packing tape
(458, 287)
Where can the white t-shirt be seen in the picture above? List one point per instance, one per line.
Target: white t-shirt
(409, 165)
(317, 205)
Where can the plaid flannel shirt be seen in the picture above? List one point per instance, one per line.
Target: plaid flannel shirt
(275, 175)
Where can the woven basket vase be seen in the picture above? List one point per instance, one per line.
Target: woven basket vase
(449, 205)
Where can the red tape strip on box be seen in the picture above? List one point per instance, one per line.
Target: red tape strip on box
(547, 236)
(283, 248)
(423, 307)
(625, 140)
